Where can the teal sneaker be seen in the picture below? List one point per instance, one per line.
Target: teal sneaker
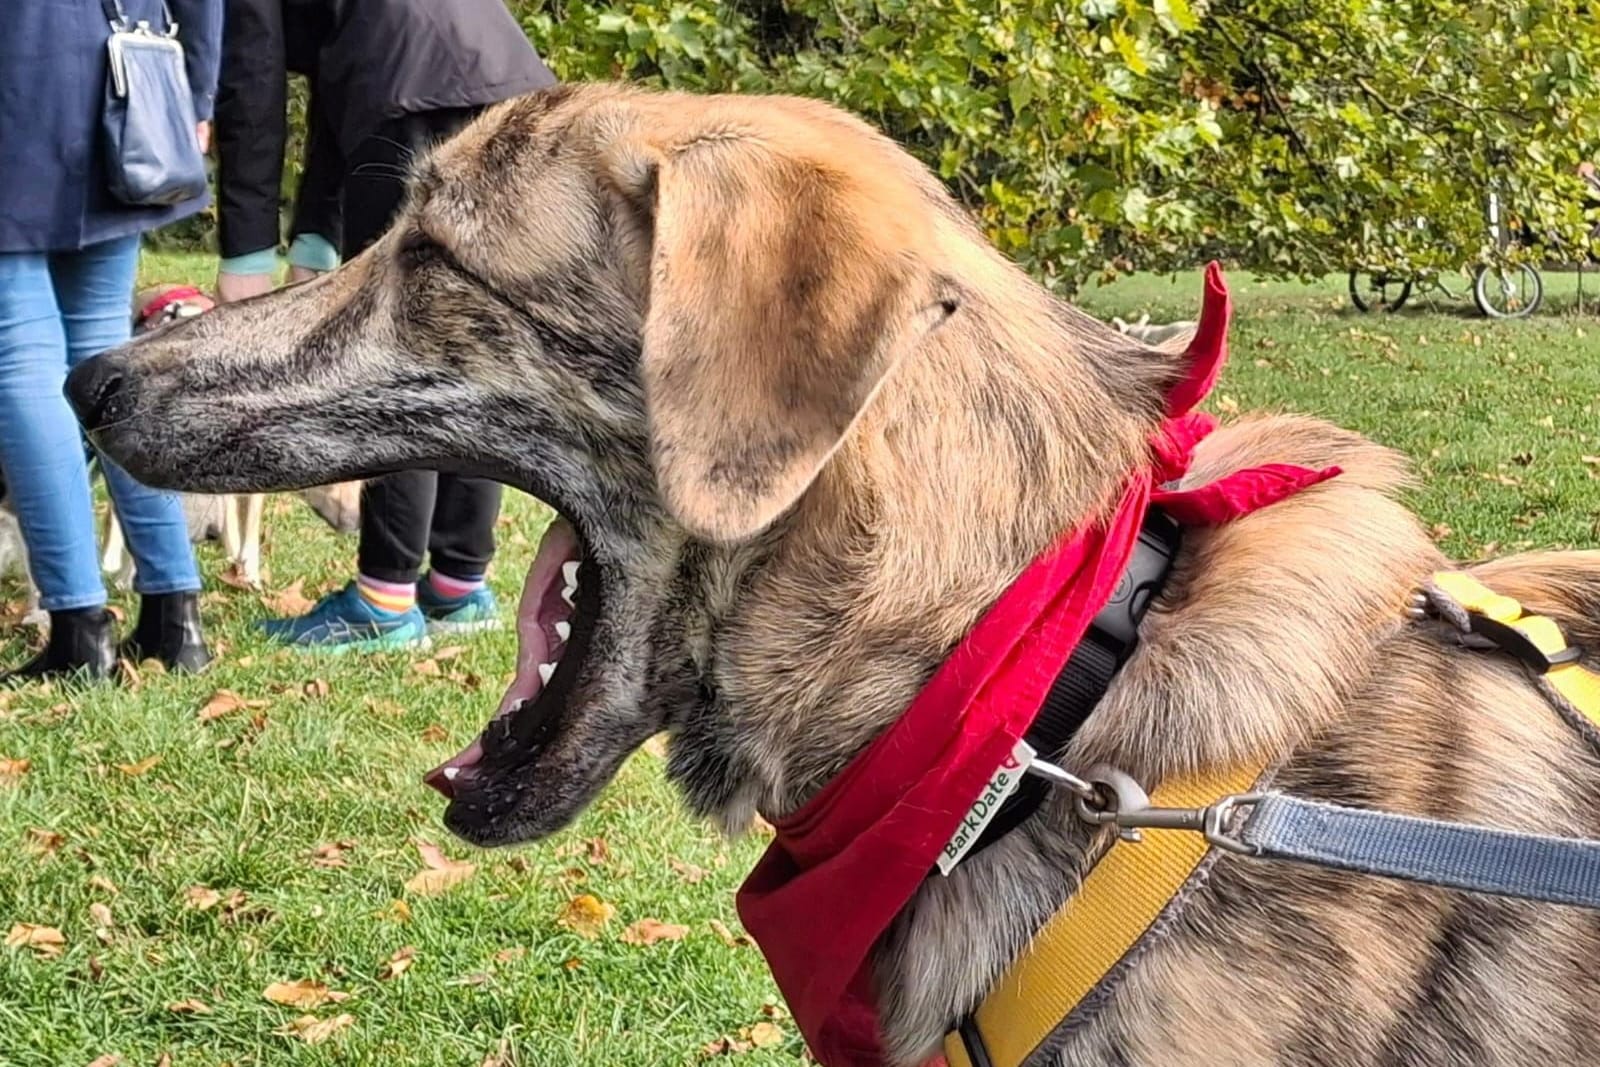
(344, 622)
(478, 610)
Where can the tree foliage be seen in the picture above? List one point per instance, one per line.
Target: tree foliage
(1291, 137)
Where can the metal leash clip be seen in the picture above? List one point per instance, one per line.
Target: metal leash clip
(1110, 797)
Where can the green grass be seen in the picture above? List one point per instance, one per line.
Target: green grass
(1498, 417)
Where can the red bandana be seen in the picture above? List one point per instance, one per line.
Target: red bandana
(843, 866)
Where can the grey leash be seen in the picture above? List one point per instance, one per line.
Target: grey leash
(1479, 859)
(1274, 826)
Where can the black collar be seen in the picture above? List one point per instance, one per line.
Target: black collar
(1106, 646)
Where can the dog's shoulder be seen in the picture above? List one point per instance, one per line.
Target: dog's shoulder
(1268, 620)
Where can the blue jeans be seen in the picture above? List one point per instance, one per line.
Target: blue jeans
(57, 309)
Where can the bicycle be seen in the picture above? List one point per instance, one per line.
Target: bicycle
(1501, 292)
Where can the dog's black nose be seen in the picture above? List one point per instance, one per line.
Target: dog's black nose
(100, 392)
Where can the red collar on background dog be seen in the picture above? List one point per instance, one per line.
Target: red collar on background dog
(167, 298)
(843, 866)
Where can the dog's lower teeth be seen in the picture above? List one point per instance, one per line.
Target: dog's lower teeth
(545, 671)
(564, 630)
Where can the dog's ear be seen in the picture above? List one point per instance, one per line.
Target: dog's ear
(783, 287)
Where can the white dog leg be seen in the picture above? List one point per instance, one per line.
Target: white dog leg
(250, 541)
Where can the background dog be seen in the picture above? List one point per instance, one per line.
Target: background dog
(803, 425)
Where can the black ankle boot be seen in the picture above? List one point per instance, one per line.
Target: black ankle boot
(169, 630)
(82, 642)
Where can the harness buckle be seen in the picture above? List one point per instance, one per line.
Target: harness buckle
(1116, 799)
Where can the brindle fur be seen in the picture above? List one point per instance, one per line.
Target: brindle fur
(809, 425)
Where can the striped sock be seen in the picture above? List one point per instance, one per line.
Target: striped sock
(450, 588)
(393, 597)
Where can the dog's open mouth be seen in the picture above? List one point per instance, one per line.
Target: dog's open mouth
(556, 614)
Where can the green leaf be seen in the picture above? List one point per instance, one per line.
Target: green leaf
(1020, 91)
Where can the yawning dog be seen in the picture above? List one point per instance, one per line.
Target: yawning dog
(803, 426)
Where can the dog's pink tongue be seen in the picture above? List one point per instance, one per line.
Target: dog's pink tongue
(543, 624)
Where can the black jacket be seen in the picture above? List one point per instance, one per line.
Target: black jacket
(367, 61)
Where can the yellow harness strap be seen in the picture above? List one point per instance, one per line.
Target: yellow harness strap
(1545, 650)
(1135, 882)
(1120, 899)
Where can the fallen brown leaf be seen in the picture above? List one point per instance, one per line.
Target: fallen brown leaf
(316, 689)
(766, 1035)
(331, 854)
(289, 601)
(572, 965)
(304, 994)
(97, 970)
(657, 746)
(189, 1007)
(44, 842)
(201, 898)
(314, 1031)
(723, 1046)
(510, 955)
(226, 702)
(46, 941)
(110, 1059)
(428, 667)
(101, 915)
(432, 855)
(586, 915)
(687, 871)
(105, 885)
(433, 881)
(434, 733)
(397, 964)
(597, 850)
(398, 910)
(649, 931)
(728, 937)
(165, 1060)
(12, 770)
(445, 655)
(440, 871)
(144, 766)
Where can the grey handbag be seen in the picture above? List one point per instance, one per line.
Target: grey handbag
(152, 151)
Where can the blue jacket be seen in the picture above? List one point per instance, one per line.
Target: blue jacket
(52, 81)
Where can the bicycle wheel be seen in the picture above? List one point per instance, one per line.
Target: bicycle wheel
(1378, 291)
(1508, 293)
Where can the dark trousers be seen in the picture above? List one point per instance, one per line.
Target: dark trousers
(405, 516)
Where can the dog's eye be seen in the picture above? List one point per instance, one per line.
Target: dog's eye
(416, 246)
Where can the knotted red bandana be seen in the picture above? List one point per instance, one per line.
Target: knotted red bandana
(843, 866)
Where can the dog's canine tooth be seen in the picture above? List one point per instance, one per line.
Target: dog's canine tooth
(564, 630)
(569, 572)
(450, 773)
(545, 671)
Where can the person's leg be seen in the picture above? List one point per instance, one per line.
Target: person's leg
(42, 454)
(94, 287)
(41, 445)
(454, 596)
